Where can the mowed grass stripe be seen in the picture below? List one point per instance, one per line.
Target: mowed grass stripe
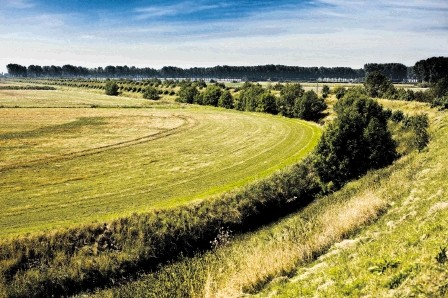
(224, 150)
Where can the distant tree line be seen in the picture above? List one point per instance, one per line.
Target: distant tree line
(429, 70)
(263, 72)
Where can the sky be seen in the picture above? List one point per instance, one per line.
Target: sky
(207, 33)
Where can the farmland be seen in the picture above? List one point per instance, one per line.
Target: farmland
(100, 188)
(69, 165)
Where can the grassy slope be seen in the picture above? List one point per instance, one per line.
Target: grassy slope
(393, 214)
(61, 166)
(396, 255)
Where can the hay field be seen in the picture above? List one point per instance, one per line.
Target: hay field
(62, 165)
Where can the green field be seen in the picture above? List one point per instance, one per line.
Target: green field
(64, 163)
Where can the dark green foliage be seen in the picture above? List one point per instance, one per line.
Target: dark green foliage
(441, 103)
(393, 71)
(440, 89)
(289, 94)
(325, 91)
(111, 88)
(419, 124)
(377, 84)
(226, 100)
(151, 93)
(277, 87)
(267, 103)
(70, 261)
(442, 256)
(211, 95)
(358, 140)
(250, 96)
(431, 70)
(339, 91)
(309, 106)
(397, 116)
(187, 94)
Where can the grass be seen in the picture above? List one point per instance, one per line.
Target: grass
(400, 254)
(382, 235)
(64, 166)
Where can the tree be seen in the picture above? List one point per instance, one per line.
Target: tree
(431, 70)
(187, 93)
(211, 95)
(288, 97)
(377, 84)
(151, 93)
(226, 100)
(325, 91)
(339, 91)
(358, 140)
(249, 96)
(309, 106)
(16, 70)
(440, 89)
(267, 103)
(111, 88)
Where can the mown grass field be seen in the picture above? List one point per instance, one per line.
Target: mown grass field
(64, 163)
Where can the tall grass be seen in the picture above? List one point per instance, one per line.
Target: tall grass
(68, 261)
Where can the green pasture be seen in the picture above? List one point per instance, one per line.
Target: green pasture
(64, 163)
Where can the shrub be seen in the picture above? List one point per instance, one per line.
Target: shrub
(309, 106)
(187, 94)
(419, 124)
(339, 91)
(111, 88)
(377, 84)
(289, 94)
(151, 93)
(226, 100)
(358, 140)
(211, 95)
(397, 116)
(325, 91)
(267, 103)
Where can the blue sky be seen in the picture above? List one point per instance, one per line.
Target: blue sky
(207, 33)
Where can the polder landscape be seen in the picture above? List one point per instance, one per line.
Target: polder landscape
(220, 181)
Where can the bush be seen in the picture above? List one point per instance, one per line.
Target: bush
(358, 140)
(267, 103)
(397, 116)
(289, 94)
(187, 94)
(226, 100)
(419, 124)
(211, 95)
(325, 91)
(339, 91)
(111, 88)
(151, 93)
(377, 84)
(309, 106)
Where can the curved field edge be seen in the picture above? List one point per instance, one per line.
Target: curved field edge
(115, 180)
(282, 255)
(66, 261)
